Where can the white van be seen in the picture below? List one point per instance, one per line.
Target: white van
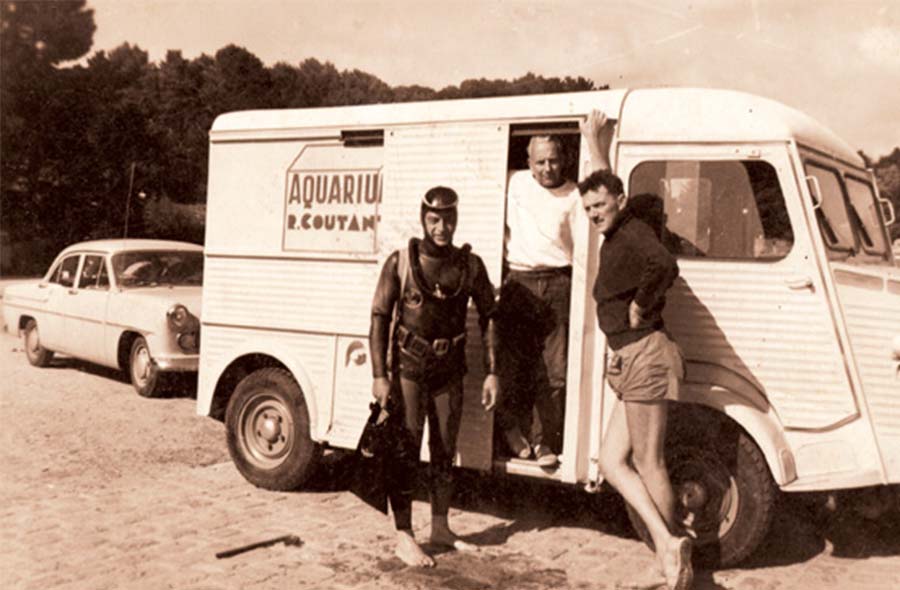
(787, 307)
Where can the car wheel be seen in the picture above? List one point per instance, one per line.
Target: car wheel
(143, 370)
(37, 355)
(724, 493)
(267, 425)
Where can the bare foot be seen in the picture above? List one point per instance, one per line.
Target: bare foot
(409, 551)
(677, 563)
(443, 536)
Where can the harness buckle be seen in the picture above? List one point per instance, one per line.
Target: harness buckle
(441, 346)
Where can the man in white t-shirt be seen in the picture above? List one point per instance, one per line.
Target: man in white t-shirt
(534, 300)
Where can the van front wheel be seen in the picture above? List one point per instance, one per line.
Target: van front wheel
(724, 493)
(267, 425)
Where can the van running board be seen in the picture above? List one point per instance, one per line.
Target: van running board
(528, 467)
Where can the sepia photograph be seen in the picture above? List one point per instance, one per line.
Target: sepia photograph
(450, 294)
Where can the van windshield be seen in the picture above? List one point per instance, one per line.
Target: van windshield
(834, 220)
(848, 216)
(864, 208)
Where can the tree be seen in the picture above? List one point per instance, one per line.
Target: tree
(316, 82)
(34, 38)
(887, 173)
(236, 80)
(44, 33)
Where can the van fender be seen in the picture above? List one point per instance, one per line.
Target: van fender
(726, 391)
(278, 352)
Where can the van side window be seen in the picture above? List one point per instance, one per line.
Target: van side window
(717, 209)
(834, 220)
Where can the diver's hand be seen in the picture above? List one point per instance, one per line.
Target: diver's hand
(381, 389)
(490, 391)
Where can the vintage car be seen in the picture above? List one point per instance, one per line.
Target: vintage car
(129, 304)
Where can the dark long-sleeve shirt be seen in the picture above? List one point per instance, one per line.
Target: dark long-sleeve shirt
(634, 266)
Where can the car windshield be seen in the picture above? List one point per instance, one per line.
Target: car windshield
(158, 267)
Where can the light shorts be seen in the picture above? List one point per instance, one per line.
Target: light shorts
(649, 369)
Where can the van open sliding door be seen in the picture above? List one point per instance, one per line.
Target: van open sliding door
(471, 159)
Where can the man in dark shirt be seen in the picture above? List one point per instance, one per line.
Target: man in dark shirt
(644, 366)
(423, 292)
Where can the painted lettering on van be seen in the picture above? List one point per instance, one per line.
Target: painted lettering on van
(346, 188)
(332, 210)
(331, 222)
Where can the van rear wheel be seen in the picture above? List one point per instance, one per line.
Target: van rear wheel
(724, 493)
(268, 432)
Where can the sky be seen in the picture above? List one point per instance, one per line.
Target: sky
(838, 61)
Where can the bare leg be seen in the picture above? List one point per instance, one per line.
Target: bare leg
(647, 427)
(617, 447)
(444, 413)
(401, 500)
(617, 471)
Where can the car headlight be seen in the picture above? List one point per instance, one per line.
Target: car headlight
(179, 318)
(189, 341)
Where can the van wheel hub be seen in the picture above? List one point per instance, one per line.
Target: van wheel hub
(270, 428)
(707, 492)
(693, 495)
(265, 427)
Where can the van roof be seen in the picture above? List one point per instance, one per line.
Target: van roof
(652, 114)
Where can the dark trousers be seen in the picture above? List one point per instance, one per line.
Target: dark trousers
(442, 405)
(533, 323)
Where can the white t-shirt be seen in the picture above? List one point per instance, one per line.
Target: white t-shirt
(540, 222)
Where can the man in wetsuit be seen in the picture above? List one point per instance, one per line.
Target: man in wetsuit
(425, 290)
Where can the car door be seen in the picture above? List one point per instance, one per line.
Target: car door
(52, 324)
(84, 309)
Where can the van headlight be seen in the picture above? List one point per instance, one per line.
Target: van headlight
(179, 318)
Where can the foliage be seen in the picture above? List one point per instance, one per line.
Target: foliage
(167, 220)
(41, 109)
(887, 171)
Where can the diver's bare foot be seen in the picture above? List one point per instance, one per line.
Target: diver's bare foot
(409, 551)
(443, 536)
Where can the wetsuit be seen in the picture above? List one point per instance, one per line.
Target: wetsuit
(427, 350)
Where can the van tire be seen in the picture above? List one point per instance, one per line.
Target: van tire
(267, 428)
(36, 354)
(724, 475)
